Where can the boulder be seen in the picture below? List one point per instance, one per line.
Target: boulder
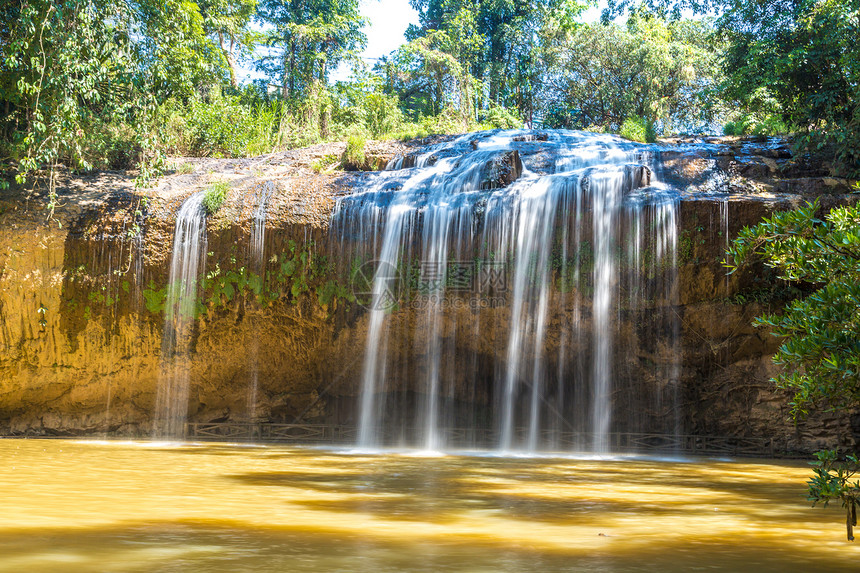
(502, 170)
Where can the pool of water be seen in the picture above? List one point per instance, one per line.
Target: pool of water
(142, 506)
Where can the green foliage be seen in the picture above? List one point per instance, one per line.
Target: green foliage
(227, 22)
(410, 131)
(80, 80)
(353, 156)
(155, 298)
(756, 124)
(600, 75)
(306, 40)
(381, 114)
(361, 105)
(329, 292)
(821, 349)
(477, 54)
(801, 61)
(325, 163)
(214, 196)
(220, 126)
(297, 272)
(98, 84)
(832, 481)
(638, 129)
(821, 352)
(498, 117)
(434, 82)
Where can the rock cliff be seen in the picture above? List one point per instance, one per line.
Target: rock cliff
(82, 293)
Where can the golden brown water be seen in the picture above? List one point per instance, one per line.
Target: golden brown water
(121, 506)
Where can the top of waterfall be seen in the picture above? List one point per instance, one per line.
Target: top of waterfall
(475, 163)
(192, 207)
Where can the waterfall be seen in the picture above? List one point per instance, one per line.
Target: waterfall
(514, 248)
(188, 258)
(258, 264)
(724, 229)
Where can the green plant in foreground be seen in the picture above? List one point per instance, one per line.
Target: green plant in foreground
(214, 196)
(638, 129)
(832, 481)
(325, 163)
(820, 352)
(353, 156)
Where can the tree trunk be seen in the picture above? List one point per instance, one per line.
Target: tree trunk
(228, 55)
(287, 79)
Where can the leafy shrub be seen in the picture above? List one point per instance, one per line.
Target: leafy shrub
(109, 145)
(324, 163)
(353, 156)
(381, 114)
(756, 124)
(733, 128)
(498, 117)
(221, 126)
(214, 196)
(638, 129)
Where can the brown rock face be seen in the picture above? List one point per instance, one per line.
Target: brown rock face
(501, 170)
(81, 325)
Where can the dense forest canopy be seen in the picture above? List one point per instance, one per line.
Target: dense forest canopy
(121, 83)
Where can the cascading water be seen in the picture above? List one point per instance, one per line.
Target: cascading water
(189, 249)
(258, 260)
(545, 245)
(724, 229)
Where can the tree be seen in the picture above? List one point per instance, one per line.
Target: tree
(499, 43)
(228, 21)
(603, 74)
(79, 76)
(798, 60)
(308, 38)
(429, 78)
(821, 349)
(804, 55)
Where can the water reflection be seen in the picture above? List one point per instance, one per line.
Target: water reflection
(76, 506)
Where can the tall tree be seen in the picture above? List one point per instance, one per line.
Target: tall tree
(307, 39)
(602, 74)
(504, 57)
(228, 21)
(431, 73)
